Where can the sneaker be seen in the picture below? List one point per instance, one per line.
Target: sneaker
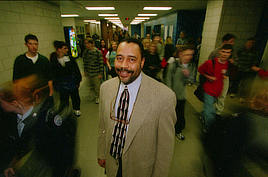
(77, 112)
(205, 131)
(97, 101)
(202, 119)
(180, 136)
(232, 95)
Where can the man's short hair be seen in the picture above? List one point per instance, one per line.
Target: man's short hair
(228, 36)
(59, 44)
(227, 47)
(183, 48)
(89, 40)
(135, 41)
(30, 36)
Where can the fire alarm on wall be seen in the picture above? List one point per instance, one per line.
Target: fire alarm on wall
(126, 18)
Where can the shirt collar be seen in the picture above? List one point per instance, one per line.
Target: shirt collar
(24, 116)
(136, 83)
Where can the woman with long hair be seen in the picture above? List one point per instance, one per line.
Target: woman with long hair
(104, 51)
(111, 54)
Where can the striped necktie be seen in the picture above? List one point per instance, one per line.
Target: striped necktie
(119, 133)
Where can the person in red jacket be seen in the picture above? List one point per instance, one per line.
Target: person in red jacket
(214, 71)
(262, 73)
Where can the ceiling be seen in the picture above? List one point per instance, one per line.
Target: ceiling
(125, 9)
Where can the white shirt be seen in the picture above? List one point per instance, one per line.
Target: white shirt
(133, 89)
(63, 60)
(20, 118)
(34, 59)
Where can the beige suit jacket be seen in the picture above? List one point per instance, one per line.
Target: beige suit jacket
(149, 145)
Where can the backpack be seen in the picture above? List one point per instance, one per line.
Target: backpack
(199, 92)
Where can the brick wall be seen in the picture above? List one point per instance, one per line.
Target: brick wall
(19, 18)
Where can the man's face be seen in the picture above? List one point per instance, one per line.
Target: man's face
(32, 45)
(114, 46)
(231, 41)
(103, 43)
(156, 38)
(64, 50)
(128, 62)
(186, 56)
(153, 48)
(148, 36)
(182, 35)
(89, 45)
(250, 44)
(225, 54)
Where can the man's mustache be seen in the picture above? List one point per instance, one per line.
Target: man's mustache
(124, 70)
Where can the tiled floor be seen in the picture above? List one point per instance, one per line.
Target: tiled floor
(189, 160)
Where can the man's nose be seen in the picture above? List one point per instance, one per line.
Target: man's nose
(124, 64)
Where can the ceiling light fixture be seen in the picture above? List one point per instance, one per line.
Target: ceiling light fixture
(111, 18)
(157, 8)
(70, 15)
(90, 21)
(142, 18)
(108, 15)
(150, 15)
(100, 8)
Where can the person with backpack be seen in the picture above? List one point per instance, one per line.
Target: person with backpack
(178, 73)
(213, 86)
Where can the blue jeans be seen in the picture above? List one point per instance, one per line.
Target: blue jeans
(209, 110)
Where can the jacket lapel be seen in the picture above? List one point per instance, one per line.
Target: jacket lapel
(140, 111)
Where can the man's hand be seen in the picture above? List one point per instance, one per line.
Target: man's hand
(231, 61)
(102, 162)
(186, 72)
(211, 78)
(9, 172)
(255, 68)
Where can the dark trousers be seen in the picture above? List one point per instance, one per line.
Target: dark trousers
(180, 124)
(64, 99)
(243, 84)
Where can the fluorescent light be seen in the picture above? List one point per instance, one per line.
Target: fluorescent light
(70, 15)
(90, 21)
(157, 8)
(141, 18)
(108, 15)
(150, 15)
(138, 20)
(100, 8)
(111, 18)
(115, 20)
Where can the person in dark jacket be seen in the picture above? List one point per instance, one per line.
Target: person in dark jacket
(44, 139)
(67, 76)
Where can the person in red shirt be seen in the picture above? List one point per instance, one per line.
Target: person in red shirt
(214, 71)
(104, 51)
(262, 73)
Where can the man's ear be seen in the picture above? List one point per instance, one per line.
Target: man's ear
(142, 62)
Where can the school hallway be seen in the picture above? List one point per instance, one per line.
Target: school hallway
(189, 159)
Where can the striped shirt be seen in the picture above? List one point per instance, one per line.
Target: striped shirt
(93, 63)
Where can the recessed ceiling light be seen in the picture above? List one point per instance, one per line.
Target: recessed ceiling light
(150, 15)
(111, 18)
(142, 18)
(157, 8)
(108, 15)
(90, 21)
(70, 15)
(115, 20)
(100, 8)
(138, 20)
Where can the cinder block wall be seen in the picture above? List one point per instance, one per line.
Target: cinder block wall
(19, 18)
(229, 16)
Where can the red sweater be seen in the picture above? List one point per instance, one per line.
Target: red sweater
(104, 52)
(213, 88)
(263, 74)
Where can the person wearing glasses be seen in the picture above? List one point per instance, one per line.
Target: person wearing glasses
(136, 118)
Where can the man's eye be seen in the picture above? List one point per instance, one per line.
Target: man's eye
(119, 58)
(132, 59)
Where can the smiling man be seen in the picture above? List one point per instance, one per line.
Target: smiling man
(32, 62)
(136, 118)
